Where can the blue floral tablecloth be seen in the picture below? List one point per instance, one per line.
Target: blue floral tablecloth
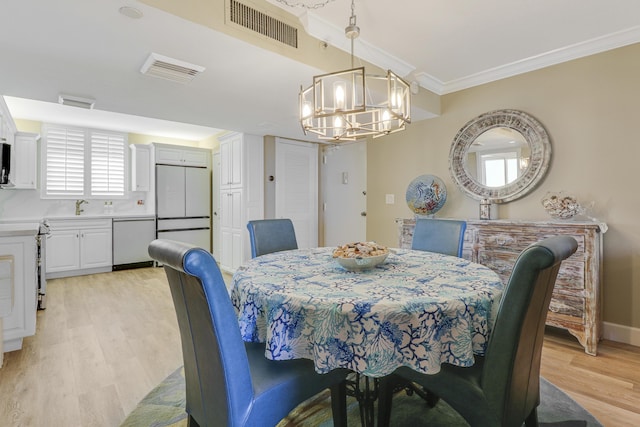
(418, 309)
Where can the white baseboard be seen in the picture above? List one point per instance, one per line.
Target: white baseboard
(621, 333)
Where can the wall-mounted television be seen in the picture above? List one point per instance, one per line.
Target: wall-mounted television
(5, 162)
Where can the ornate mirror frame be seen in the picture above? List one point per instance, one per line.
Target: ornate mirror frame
(532, 131)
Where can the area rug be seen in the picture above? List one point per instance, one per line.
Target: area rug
(164, 407)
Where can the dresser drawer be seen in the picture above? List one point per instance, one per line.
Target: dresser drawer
(568, 305)
(571, 278)
(518, 239)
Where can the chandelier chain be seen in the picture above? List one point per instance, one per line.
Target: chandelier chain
(307, 4)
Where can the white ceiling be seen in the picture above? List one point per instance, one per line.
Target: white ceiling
(88, 49)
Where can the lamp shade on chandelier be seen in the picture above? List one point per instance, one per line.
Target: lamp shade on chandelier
(350, 104)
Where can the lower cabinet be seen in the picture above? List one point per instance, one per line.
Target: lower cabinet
(17, 291)
(77, 247)
(576, 304)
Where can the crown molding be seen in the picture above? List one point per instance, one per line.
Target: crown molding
(324, 30)
(557, 56)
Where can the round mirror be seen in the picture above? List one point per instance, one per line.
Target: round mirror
(500, 156)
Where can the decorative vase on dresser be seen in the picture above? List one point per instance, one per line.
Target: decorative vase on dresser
(576, 304)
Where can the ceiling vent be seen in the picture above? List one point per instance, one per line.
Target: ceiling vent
(76, 101)
(259, 22)
(170, 69)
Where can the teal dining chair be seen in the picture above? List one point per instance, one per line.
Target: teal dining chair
(502, 389)
(230, 382)
(444, 236)
(271, 235)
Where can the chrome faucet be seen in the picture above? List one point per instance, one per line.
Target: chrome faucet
(78, 203)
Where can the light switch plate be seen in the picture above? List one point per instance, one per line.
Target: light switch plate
(389, 199)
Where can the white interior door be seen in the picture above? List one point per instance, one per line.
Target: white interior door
(296, 177)
(344, 187)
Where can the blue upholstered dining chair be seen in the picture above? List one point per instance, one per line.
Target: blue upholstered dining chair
(444, 236)
(271, 235)
(230, 382)
(502, 389)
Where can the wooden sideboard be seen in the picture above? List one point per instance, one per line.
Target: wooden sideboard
(577, 296)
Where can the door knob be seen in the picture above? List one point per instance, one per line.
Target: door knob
(363, 214)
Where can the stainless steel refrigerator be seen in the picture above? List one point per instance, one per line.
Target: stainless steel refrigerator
(183, 204)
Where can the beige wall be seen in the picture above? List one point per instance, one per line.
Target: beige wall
(591, 109)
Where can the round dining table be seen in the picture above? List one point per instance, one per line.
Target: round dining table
(417, 309)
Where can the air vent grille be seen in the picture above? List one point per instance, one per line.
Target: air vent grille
(266, 25)
(170, 69)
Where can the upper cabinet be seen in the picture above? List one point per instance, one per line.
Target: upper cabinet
(24, 168)
(24, 151)
(181, 156)
(7, 126)
(231, 161)
(140, 167)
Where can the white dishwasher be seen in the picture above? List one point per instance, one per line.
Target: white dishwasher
(131, 238)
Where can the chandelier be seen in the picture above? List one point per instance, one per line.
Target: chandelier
(349, 105)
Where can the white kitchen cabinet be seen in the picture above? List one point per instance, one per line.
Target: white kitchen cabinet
(18, 265)
(63, 250)
(76, 247)
(7, 125)
(181, 156)
(24, 168)
(241, 195)
(231, 160)
(140, 167)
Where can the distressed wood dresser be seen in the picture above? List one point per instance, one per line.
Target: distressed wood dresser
(577, 296)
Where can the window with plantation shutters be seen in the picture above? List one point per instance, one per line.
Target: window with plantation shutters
(83, 163)
(64, 159)
(107, 164)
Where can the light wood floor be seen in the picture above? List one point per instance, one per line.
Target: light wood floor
(106, 340)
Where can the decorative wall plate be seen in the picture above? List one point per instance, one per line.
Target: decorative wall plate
(426, 195)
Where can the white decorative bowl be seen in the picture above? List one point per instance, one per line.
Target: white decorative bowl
(361, 263)
(561, 206)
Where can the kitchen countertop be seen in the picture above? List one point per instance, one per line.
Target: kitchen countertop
(19, 229)
(102, 216)
(23, 220)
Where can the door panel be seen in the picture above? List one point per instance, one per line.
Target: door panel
(297, 188)
(95, 248)
(344, 185)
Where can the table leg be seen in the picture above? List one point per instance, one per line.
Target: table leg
(365, 390)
